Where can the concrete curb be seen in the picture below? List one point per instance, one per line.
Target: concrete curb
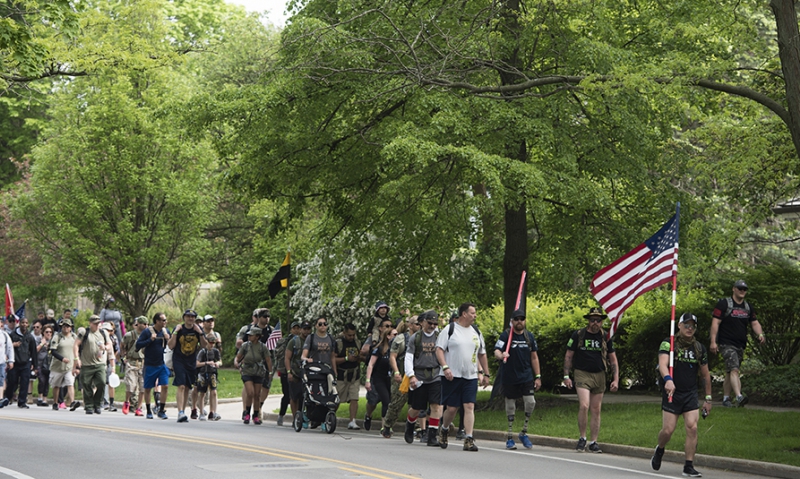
(701, 460)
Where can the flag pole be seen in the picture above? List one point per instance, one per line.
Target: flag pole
(674, 295)
(510, 326)
(289, 293)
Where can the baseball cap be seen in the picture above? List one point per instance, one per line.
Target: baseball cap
(66, 322)
(141, 320)
(107, 326)
(190, 312)
(519, 313)
(305, 325)
(688, 317)
(740, 284)
(50, 313)
(295, 324)
(94, 318)
(254, 331)
(208, 317)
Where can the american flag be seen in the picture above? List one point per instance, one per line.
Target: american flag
(273, 338)
(646, 267)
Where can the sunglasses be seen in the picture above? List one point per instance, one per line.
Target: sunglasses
(595, 320)
(322, 324)
(742, 289)
(518, 319)
(689, 326)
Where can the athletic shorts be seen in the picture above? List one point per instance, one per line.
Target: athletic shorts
(206, 381)
(2, 375)
(184, 374)
(459, 391)
(58, 380)
(372, 397)
(156, 373)
(732, 355)
(296, 390)
(594, 382)
(516, 391)
(430, 393)
(252, 379)
(681, 402)
(348, 390)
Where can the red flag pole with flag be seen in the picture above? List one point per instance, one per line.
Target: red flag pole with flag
(9, 301)
(519, 301)
(649, 265)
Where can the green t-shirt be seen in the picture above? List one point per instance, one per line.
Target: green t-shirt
(93, 351)
(254, 357)
(65, 346)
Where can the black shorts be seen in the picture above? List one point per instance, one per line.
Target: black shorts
(267, 381)
(681, 402)
(184, 375)
(516, 391)
(426, 394)
(252, 379)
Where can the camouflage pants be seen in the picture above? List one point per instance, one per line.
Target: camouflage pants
(396, 405)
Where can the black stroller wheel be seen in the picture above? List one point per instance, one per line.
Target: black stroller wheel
(297, 421)
(330, 422)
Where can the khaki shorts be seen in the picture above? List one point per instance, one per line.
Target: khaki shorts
(134, 379)
(348, 390)
(732, 355)
(594, 382)
(58, 380)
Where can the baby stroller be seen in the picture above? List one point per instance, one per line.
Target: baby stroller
(320, 399)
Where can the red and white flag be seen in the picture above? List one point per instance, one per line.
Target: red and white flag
(646, 267)
(274, 337)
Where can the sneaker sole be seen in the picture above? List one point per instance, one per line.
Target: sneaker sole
(692, 475)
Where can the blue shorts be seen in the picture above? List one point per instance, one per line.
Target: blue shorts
(2, 374)
(155, 373)
(459, 391)
(185, 374)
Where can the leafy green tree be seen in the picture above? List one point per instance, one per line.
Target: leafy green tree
(120, 193)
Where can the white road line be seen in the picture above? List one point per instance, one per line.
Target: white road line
(15, 474)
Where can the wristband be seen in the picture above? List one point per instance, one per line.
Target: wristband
(397, 373)
(667, 378)
(445, 367)
(566, 376)
(760, 335)
(708, 398)
(368, 380)
(538, 376)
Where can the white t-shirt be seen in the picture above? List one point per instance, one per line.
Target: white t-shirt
(461, 350)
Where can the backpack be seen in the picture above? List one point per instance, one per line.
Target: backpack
(280, 352)
(452, 328)
(604, 353)
(728, 311)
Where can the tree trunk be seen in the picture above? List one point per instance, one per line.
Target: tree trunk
(789, 52)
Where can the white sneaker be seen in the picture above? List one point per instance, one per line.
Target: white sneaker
(202, 417)
(353, 425)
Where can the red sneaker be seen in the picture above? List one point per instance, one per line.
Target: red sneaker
(138, 412)
(126, 407)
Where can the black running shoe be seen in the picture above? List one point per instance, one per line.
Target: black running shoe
(75, 405)
(595, 448)
(690, 471)
(367, 422)
(581, 445)
(655, 461)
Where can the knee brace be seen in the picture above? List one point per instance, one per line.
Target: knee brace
(530, 403)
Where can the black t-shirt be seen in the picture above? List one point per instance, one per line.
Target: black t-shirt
(518, 369)
(733, 327)
(347, 348)
(186, 346)
(589, 355)
(686, 366)
(382, 366)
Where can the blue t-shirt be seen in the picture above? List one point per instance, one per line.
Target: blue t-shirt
(518, 369)
(153, 349)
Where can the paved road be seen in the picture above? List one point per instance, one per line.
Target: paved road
(128, 446)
